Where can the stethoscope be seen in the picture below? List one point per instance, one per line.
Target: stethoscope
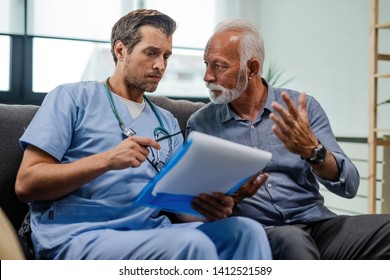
(160, 132)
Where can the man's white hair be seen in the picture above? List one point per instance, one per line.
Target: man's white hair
(251, 40)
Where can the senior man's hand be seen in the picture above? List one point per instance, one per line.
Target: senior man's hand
(218, 205)
(250, 187)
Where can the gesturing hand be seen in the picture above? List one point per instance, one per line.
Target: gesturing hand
(292, 126)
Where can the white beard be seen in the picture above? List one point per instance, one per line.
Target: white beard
(228, 95)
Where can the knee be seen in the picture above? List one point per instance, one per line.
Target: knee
(288, 234)
(291, 242)
(247, 228)
(193, 245)
(247, 233)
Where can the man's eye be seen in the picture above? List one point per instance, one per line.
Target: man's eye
(219, 66)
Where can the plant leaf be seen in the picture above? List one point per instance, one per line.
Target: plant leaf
(273, 75)
(384, 102)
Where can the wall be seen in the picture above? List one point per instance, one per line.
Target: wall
(324, 47)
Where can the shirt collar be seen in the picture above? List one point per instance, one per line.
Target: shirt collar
(270, 96)
(228, 114)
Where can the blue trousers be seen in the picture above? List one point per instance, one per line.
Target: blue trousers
(230, 238)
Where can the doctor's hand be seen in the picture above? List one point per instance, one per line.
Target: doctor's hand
(292, 126)
(250, 187)
(214, 206)
(131, 152)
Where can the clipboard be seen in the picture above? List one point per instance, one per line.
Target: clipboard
(205, 164)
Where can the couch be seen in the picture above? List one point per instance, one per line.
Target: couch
(15, 118)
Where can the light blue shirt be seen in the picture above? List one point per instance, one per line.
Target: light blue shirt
(291, 194)
(76, 121)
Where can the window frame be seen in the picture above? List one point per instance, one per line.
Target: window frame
(21, 68)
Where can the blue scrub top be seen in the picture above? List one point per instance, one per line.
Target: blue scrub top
(76, 121)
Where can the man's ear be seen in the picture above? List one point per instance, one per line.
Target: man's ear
(253, 67)
(119, 50)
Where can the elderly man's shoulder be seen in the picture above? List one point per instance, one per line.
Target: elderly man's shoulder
(208, 110)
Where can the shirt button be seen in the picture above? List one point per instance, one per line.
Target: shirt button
(269, 185)
(252, 126)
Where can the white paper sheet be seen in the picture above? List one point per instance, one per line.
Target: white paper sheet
(211, 164)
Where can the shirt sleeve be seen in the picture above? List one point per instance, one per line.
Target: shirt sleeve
(51, 128)
(349, 179)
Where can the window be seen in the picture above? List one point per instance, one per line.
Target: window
(12, 17)
(11, 22)
(5, 55)
(74, 51)
(51, 47)
(58, 61)
(195, 27)
(184, 75)
(78, 19)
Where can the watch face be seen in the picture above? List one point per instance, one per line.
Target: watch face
(319, 153)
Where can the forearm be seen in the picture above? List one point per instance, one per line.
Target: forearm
(347, 183)
(328, 169)
(42, 177)
(52, 180)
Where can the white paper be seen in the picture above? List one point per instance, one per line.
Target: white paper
(211, 164)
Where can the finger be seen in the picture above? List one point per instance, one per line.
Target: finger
(145, 142)
(261, 178)
(141, 152)
(223, 199)
(257, 183)
(217, 201)
(141, 157)
(252, 180)
(279, 122)
(211, 207)
(302, 105)
(280, 134)
(291, 107)
(209, 215)
(254, 184)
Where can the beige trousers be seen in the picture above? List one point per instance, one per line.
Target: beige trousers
(10, 248)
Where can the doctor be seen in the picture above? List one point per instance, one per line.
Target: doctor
(90, 150)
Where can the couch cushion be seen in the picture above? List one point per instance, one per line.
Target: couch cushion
(13, 120)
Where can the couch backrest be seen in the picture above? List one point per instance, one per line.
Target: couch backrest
(182, 109)
(15, 118)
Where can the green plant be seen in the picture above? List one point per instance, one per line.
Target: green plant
(273, 75)
(384, 102)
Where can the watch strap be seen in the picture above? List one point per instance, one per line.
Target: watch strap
(319, 155)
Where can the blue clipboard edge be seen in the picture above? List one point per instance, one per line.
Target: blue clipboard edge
(147, 190)
(176, 203)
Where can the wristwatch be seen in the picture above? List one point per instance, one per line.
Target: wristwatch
(319, 154)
